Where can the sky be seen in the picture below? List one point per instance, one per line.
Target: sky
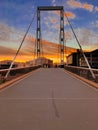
(16, 15)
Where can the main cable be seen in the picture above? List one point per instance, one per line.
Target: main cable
(19, 47)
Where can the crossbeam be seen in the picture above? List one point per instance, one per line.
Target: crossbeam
(50, 8)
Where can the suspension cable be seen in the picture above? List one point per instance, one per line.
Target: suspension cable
(92, 73)
(19, 47)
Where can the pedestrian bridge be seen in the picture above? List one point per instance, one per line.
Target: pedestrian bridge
(49, 99)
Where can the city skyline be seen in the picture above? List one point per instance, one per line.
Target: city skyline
(15, 17)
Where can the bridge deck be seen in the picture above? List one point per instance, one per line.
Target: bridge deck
(49, 99)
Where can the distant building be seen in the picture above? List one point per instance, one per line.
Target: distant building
(40, 61)
(94, 58)
(77, 59)
(6, 64)
(30, 63)
(44, 62)
(73, 59)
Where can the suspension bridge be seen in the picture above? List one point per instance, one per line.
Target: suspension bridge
(49, 98)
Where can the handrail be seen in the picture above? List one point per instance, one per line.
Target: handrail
(14, 71)
(81, 67)
(2, 70)
(83, 71)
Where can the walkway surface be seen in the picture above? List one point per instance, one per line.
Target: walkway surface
(49, 99)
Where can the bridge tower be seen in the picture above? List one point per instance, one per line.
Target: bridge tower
(38, 33)
(62, 35)
(61, 40)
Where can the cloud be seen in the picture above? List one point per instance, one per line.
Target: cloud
(50, 26)
(74, 4)
(54, 2)
(96, 8)
(87, 38)
(9, 36)
(10, 40)
(68, 35)
(50, 19)
(50, 49)
(68, 13)
(8, 51)
(95, 24)
(54, 20)
(5, 32)
(77, 4)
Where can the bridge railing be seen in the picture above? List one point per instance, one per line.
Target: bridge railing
(17, 71)
(83, 72)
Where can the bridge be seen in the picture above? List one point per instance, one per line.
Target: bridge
(37, 98)
(48, 99)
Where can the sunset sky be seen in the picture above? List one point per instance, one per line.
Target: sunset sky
(15, 16)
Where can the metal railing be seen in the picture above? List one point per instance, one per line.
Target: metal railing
(83, 72)
(17, 71)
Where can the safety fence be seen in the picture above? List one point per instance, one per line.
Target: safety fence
(83, 72)
(16, 72)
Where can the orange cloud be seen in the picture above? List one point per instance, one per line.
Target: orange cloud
(77, 4)
(54, 20)
(88, 7)
(30, 39)
(74, 4)
(57, 12)
(96, 8)
(58, 27)
(69, 14)
(50, 50)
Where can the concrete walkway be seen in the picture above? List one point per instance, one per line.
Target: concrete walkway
(49, 99)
